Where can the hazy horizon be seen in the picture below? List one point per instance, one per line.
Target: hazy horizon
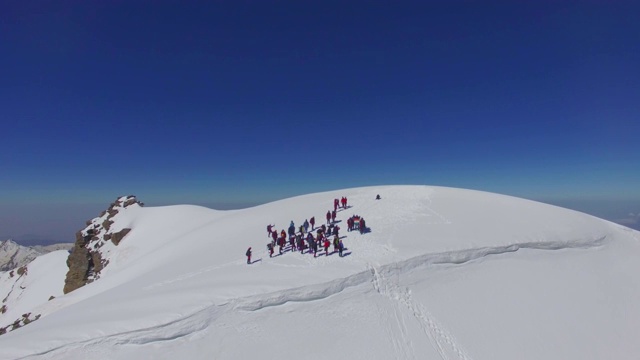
(236, 103)
(61, 226)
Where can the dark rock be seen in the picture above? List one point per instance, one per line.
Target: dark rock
(117, 237)
(78, 263)
(132, 200)
(97, 262)
(107, 224)
(22, 270)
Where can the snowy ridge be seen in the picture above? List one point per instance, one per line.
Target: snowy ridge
(324, 290)
(104, 233)
(376, 276)
(443, 274)
(186, 326)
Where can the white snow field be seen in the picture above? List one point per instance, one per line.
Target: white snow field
(444, 274)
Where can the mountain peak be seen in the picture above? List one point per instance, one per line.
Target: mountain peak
(93, 243)
(13, 255)
(440, 273)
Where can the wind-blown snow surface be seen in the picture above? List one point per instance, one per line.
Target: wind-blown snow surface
(443, 274)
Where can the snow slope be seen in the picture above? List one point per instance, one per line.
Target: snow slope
(443, 274)
(26, 290)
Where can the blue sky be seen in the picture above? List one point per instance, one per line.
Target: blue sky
(234, 103)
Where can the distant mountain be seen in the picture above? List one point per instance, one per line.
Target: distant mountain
(14, 255)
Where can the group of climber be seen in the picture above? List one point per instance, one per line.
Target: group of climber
(356, 223)
(340, 203)
(301, 239)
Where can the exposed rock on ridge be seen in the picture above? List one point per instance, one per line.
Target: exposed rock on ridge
(86, 260)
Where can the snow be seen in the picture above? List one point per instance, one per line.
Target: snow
(444, 274)
(43, 278)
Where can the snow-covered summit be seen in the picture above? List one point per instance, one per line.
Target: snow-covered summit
(442, 274)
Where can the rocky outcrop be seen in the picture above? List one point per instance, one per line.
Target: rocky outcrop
(117, 237)
(78, 263)
(87, 258)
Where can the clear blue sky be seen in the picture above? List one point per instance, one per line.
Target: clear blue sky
(231, 103)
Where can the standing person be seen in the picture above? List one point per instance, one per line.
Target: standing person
(274, 236)
(350, 224)
(314, 246)
(306, 225)
(248, 253)
(270, 248)
(336, 243)
(335, 231)
(340, 247)
(310, 241)
(333, 216)
(328, 217)
(363, 226)
(345, 202)
(326, 247)
(312, 221)
(281, 243)
(335, 204)
(269, 230)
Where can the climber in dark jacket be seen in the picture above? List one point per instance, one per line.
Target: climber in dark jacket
(270, 248)
(248, 255)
